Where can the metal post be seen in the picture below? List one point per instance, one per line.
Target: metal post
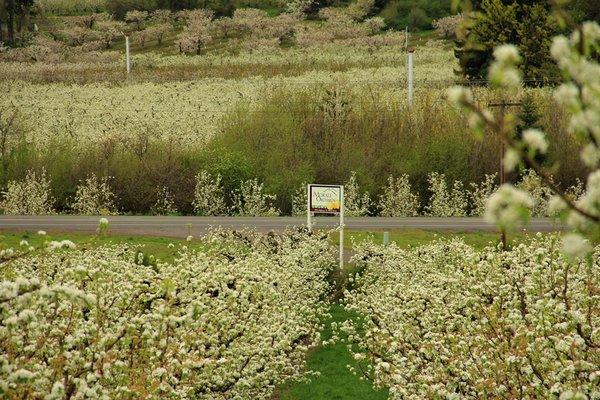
(128, 54)
(342, 228)
(406, 38)
(410, 76)
(308, 213)
(386, 238)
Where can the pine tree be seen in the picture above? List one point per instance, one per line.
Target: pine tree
(529, 116)
(526, 24)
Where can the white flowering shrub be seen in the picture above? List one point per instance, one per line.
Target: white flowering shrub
(575, 56)
(448, 26)
(103, 225)
(445, 202)
(136, 17)
(94, 197)
(508, 207)
(300, 201)
(576, 191)
(196, 32)
(165, 204)
(446, 321)
(397, 199)
(539, 192)
(300, 8)
(480, 193)
(356, 204)
(231, 323)
(251, 200)
(28, 197)
(208, 195)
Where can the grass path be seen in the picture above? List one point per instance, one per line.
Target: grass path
(336, 382)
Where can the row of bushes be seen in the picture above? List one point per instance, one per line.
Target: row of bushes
(120, 7)
(417, 14)
(94, 196)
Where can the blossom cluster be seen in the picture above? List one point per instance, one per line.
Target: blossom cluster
(447, 26)
(165, 204)
(356, 203)
(94, 197)
(251, 200)
(446, 202)
(580, 97)
(447, 321)
(231, 322)
(398, 199)
(30, 196)
(247, 28)
(208, 195)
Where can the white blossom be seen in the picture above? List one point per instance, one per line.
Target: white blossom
(28, 197)
(511, 160)
(508, 207)
(240, 316)
(356, 204)
(251, 200)
(590, 155)
(444, 315)
(459, 95)
(94, 197)
(398, 199)
(507, 54)
(575, 245)
(208, 195)
(446, 202)
(536, 140)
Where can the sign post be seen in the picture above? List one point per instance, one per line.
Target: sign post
(341, 228)
(327, 199)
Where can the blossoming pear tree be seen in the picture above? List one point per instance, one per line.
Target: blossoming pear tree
(580, 95)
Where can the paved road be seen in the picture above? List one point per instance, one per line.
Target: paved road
(178, 226)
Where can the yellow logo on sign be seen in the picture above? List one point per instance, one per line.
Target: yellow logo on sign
(334, 205)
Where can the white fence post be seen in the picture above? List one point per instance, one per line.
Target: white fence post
(410, 77)
(128, 54)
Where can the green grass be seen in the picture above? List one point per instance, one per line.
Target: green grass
(156, 246)
(159, 246)
(335, 382)
(412, 238)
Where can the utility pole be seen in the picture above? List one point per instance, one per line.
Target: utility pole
(503, 105)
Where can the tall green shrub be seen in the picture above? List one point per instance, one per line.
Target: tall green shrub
(530, 26)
